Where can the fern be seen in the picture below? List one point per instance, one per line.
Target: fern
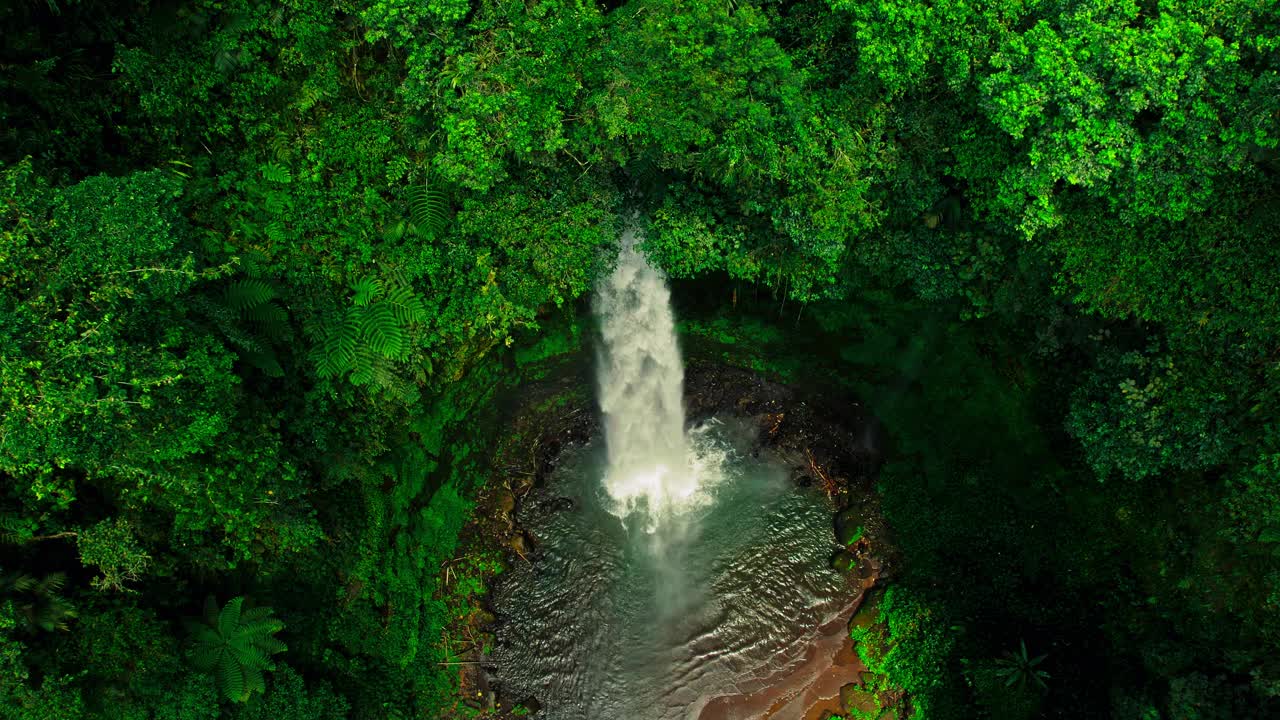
(335, 350)
(380, 330)
(362, 340)
(226, 60)
(253, 300)
(364, 368)
(427, 210)
(275, 231)
(248, 294)
(396, 231)
(38, 603)
(276, 173)
(366, 290)
(407, 307)
(271, 319)
(235, 645)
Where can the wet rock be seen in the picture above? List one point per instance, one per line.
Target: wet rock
(804, 481)
(854, 699)
(843, 561)
(867, 614)
(562, 504)
(849, 528)
(518, 544)
(506, 502)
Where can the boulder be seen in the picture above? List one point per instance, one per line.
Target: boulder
(843, 561)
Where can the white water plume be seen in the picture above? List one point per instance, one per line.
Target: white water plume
(652, 466)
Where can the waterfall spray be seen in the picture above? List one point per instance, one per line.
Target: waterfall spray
(651, 469)
(716, 577)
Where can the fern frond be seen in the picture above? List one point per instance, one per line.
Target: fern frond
(396, 231)
(206, 657)
(226, 60)
(229, 618)
(427, 210)
(231, 677)
(13, 531)
(336, 346)
(255, 614)
(366, 290)
(270, 318)
(248, 294)
(391, 382)
(253, 681)
(405, 305)
(363, 367)
(381, 332)
(258, 630)
(348, 345)
(22, 583)
(248, 656)
(276, 173)
(275, 231)
(235, 645)
(246, 342)
(271, 646)
(203, 634)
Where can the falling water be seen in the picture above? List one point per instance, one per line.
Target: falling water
(677, 567)
(651, 469)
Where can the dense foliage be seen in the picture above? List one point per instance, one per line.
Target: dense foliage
(264, 268)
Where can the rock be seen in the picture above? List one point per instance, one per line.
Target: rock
(867, 614)
(849, 528)
(517, 543)
(842, 561)
(562, 504)
(506, 502)
(853, 699)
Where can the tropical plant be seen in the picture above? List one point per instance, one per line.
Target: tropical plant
(1019, 668)
(112, 546)
(373, 330)
(38, 603)
(428, 213)
(253, 301)
(235, 645)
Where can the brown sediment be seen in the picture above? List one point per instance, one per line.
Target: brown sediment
(810, 690)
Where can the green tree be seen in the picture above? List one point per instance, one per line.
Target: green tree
(235, 645)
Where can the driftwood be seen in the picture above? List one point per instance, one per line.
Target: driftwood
(829, 485)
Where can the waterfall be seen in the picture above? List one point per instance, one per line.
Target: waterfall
(651, 467)
(685, 569)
